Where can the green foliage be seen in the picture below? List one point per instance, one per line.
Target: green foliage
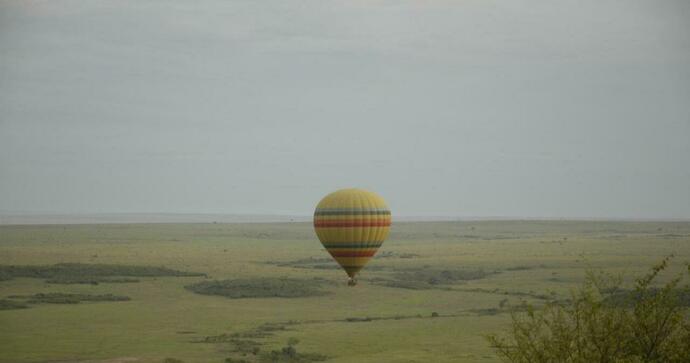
(486, 311)
(172, 360)
(258, 288)
(649, 326)
(80, 273)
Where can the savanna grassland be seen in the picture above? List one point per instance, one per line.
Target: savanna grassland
(269, 292)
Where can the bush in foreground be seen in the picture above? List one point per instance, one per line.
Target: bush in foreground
(650, 326)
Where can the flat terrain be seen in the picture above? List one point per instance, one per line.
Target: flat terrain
(467, 274)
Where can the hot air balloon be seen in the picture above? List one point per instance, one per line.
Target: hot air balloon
(352, 224)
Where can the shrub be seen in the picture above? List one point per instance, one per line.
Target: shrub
(289, 354)
(648, 326)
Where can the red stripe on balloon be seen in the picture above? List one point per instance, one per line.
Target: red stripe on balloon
(350, 223)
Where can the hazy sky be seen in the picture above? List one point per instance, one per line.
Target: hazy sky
(445, 108)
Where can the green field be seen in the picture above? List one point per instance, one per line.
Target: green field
(467, 273)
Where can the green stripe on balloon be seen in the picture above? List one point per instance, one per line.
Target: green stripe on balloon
(353, 245)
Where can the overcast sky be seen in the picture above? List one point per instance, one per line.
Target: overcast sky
(445, 108)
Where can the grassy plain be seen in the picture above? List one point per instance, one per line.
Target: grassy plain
(384, 319)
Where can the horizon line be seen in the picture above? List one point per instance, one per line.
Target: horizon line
(47, 218)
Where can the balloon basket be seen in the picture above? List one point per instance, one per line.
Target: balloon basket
(351, 282)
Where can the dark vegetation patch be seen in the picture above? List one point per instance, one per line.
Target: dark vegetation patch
(247, 346)
(410, 285)
(486, 311)
(262, 331)
(673, 235)
(90, 280)
(259, 288)
(377, 318)
(429, 278)
(521, 294)
(628, 298)
(393, 254)
(243, 346)
(433, 315)
(64, 298)
(358, 320)
(81, 273)
(250, 351)
(269, 329)
(234, 344)
(464, 236)
(413, 278)
(327, 263)
(290, 354)
(518, 268)
(524, 267)
(322, 263)
(6, 304)
(559, 280)
(222, 338)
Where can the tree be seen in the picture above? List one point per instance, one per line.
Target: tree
(602, 322)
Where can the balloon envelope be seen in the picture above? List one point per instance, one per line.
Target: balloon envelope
(352, 224)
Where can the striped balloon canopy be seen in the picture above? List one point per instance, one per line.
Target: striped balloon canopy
(352, 224)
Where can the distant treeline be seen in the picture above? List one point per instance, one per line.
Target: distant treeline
(80, 273)
(25, 301)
